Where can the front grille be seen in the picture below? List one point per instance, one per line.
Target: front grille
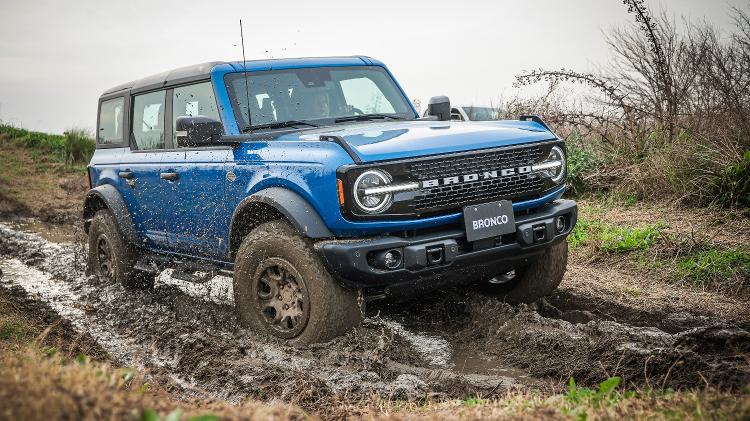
(515, 186)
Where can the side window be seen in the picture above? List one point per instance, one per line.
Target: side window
(192, 101)
(456, 115)
(148, 120)
(111, 114)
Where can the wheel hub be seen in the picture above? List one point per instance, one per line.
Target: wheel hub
(282, 297)
(104, 258)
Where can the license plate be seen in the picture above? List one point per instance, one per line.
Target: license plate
(489, 220)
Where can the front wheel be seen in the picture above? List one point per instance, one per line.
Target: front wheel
(282, 288)
(530, 283)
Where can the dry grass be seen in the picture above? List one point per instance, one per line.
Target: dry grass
(30, 184)
(35, 387)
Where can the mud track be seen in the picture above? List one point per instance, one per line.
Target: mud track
(450, 344)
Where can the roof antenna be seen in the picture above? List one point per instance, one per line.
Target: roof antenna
(244, 66)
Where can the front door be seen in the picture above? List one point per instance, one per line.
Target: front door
(200, 179)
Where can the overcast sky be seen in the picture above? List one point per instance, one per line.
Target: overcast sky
(56, 57)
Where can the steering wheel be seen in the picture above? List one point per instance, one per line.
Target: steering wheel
(354, 109)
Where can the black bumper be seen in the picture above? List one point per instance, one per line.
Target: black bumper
(433, 260)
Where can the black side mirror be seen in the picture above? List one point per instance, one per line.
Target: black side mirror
(440, 107)
(197, 131)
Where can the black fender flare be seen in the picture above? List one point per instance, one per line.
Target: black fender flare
(112, 200)
(293, 206)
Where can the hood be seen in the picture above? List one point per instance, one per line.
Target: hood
(384, 141)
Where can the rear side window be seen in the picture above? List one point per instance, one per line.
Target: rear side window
(111, 115)
(193, 101)
(148, 120)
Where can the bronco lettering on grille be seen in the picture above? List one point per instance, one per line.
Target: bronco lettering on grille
(467, 178)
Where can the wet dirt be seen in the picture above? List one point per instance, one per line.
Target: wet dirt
(449, 344)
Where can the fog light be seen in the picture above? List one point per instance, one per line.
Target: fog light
(560, 224)
(386, 259)
(392, 259)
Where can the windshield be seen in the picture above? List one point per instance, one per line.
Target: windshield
(481, 113)
(319, 95)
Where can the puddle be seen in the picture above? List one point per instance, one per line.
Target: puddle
(54, 233)
(433, 349)
(68, 303)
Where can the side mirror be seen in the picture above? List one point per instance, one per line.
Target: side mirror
(197, 131)
(440, 107)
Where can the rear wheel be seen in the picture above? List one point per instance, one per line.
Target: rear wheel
(111, 258)
(282, 288)
(530, 283)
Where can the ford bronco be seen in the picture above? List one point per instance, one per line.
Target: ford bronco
(315, 185)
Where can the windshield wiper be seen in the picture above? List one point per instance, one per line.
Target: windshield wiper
(279, 125)
(365, 117)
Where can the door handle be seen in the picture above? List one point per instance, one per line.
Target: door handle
(169, 176)
(126, 174)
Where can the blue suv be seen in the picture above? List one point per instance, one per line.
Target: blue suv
(315, 184)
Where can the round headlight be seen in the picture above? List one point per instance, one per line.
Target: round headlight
(557, 154)
(372, 203)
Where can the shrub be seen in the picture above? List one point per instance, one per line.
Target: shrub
(581, 161)
(79, 146)
(732, 186)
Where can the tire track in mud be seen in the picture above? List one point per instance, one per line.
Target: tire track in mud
(199, 345)
(449, 344)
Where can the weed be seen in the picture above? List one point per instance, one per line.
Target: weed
(579, 399)
(581, 161)
(473, 402)
(580, 234)
(620, 239)
(176, 415)
(713, 265)
(732, 186)
(15, 330)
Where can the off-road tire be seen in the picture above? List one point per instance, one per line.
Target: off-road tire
(534, 281)
(332, 310)
(104, 234)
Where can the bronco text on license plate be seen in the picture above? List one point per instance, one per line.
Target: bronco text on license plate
(489, 220)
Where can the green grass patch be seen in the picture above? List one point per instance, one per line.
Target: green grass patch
(613, 239)
(714, 265)
(16, 330)
(74, 146)
(623, 239)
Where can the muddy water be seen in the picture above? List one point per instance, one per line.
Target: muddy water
(450, 344)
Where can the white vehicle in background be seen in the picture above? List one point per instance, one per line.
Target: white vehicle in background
(472, 113)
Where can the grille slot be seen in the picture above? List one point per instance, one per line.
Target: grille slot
(456, 196)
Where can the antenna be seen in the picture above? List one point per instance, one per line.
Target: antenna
(244, 67)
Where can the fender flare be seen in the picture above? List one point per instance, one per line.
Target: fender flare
(113, 201)
(294, 207)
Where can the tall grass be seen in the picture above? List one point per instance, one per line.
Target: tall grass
(75, 146)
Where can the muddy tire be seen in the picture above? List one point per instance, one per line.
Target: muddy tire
(281, 288)
(532, 282)
(111, 258)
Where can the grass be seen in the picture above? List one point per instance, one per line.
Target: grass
(75, 146)
(677, 256)
(714, 266)
(613, 239)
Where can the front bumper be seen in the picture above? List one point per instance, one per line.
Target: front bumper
(436, 259)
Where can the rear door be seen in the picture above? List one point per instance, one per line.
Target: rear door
(140, 165)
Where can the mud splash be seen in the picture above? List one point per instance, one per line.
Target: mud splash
(448, 345)
(189, 333)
